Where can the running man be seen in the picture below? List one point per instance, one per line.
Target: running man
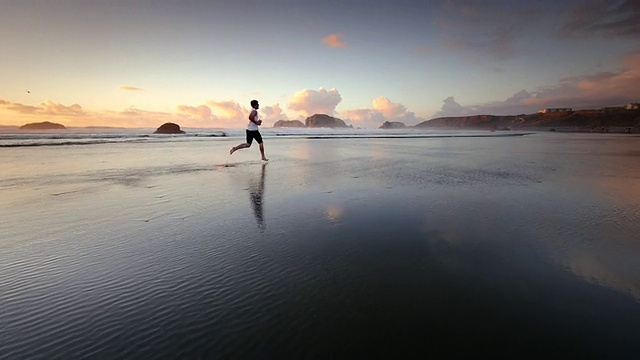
(252, 131)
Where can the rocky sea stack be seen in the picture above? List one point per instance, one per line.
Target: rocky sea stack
(288, 124)
(392, 125)
(169, 128)
(43, 126)
(324, 121)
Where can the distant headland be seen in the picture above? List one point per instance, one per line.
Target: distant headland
(608, 119)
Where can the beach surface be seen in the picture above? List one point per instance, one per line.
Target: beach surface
(338, 247)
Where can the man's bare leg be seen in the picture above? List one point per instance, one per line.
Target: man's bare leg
(262, 152)
(236, 148)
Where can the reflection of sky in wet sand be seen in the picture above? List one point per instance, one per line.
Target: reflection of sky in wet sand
(578, 197)
(601, 210)
(593, 241)
(612, 270)
(445, 247)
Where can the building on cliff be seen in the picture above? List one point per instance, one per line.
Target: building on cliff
(633, 106)
(555, 110)
(613, 108)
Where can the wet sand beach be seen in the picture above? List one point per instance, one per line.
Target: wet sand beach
(336, 248)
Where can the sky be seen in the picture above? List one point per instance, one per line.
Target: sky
(134, 63)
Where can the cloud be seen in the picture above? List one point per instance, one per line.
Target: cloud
(55, 109)
(382, 110)
(200, 112)
(225, 114)
(213, 114)
(365, 118)
(604, 18)
(310, 102)
(388, 109)
(229, 113)
(592, 91)
(489, 28)
(130, 88)
(451, 107)
(75, 115)
(334, 41)
(48, 107)
(273, 113)
(137, 118)
(221, 114)
(19, 108)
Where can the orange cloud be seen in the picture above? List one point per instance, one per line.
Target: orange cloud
(52, 108)
(382, 110)
(48, 107)
(334, 41)
(623, 83)
(201, 112)
(360, 115)
(310, 102)
(228, 110)
(137, 118)
(218, 114)
(387, 108)
(130, 88)
(19, 108)
(274, 113)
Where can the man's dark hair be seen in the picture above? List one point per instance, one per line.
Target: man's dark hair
(254, 102)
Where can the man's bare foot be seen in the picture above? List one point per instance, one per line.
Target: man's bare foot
(264, 159)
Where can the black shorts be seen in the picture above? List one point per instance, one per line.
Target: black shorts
(253, 134)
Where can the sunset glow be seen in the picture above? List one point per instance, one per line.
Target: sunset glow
(199, 64)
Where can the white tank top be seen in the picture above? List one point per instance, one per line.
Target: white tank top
(252, 125)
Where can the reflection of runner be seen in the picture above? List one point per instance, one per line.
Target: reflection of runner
(256, 192)
(252, 131)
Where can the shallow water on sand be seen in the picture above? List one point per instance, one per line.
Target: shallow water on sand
(335, 248)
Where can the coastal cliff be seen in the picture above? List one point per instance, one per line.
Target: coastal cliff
(597, 120)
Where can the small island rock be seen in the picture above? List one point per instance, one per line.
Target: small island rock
(169, 128)
(43, 126)
(324, 121)
(289, 124)
(392, 125)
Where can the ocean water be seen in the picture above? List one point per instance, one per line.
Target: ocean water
(345, 244)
